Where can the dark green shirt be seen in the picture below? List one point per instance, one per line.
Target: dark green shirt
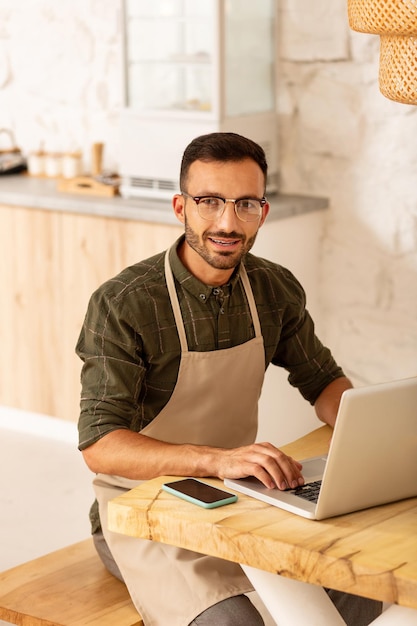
(131, 351)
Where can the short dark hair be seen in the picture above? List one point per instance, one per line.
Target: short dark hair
(221, 147)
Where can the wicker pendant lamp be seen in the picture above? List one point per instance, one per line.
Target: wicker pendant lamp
(395, 21)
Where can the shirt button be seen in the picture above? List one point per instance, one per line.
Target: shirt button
(202, 296)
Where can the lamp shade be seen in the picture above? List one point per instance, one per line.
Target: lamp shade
(398, 68)
(389, 17)
(396, 23)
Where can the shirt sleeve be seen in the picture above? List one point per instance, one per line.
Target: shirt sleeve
(112, 371)
(310, 364)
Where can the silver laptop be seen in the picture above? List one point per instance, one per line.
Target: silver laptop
(372, 457)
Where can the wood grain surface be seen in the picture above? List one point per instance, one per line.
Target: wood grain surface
(372, 553)
(68, 587)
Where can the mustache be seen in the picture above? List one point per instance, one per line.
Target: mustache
(224, 235)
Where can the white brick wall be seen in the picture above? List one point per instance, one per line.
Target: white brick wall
(60, 82)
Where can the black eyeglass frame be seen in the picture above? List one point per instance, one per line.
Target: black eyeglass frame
(198, 199)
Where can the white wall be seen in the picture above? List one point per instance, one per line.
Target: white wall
(296, 243)
(60, 82)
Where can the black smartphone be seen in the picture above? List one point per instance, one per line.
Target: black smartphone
(200, 493)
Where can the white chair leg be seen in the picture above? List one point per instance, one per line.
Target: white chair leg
(397, 616)
(295, 603)
(292, 602)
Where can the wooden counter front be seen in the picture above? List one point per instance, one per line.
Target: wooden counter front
(53, 261)
(371, 553)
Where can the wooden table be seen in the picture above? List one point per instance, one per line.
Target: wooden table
(371, 553)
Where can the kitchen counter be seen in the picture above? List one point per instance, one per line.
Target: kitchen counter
(25, 191)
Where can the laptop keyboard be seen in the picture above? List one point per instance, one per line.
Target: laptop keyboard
(309, 492)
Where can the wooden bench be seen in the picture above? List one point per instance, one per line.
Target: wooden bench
(69, 587)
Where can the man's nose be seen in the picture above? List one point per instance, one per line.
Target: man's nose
(228, 216)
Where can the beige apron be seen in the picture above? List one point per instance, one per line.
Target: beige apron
(215, 402)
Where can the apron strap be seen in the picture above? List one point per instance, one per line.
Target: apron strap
(251, 300)
(176, 305)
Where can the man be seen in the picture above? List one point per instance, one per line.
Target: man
(175, 350)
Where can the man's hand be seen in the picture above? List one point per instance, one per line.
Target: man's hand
(264, 461)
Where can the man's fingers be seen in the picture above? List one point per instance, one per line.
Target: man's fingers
(268, 464)
(283, 469)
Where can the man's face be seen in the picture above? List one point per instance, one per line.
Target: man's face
(213, 248)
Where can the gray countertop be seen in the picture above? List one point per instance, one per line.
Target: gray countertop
(25, 191)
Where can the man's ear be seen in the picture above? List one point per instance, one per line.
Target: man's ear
(178, 204)
(265, 211)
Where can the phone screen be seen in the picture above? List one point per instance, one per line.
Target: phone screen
(199, 493)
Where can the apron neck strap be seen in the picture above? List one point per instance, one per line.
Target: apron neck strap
(169, 277)
(251, 300)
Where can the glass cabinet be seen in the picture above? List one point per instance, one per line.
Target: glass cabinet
(191, 67)
(170, 53)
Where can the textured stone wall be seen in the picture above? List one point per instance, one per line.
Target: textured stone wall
(61, 84)
(341, 138)
(61, 74)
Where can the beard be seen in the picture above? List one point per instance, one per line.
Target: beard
(222, 260)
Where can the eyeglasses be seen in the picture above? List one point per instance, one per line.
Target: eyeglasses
(212, 207)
